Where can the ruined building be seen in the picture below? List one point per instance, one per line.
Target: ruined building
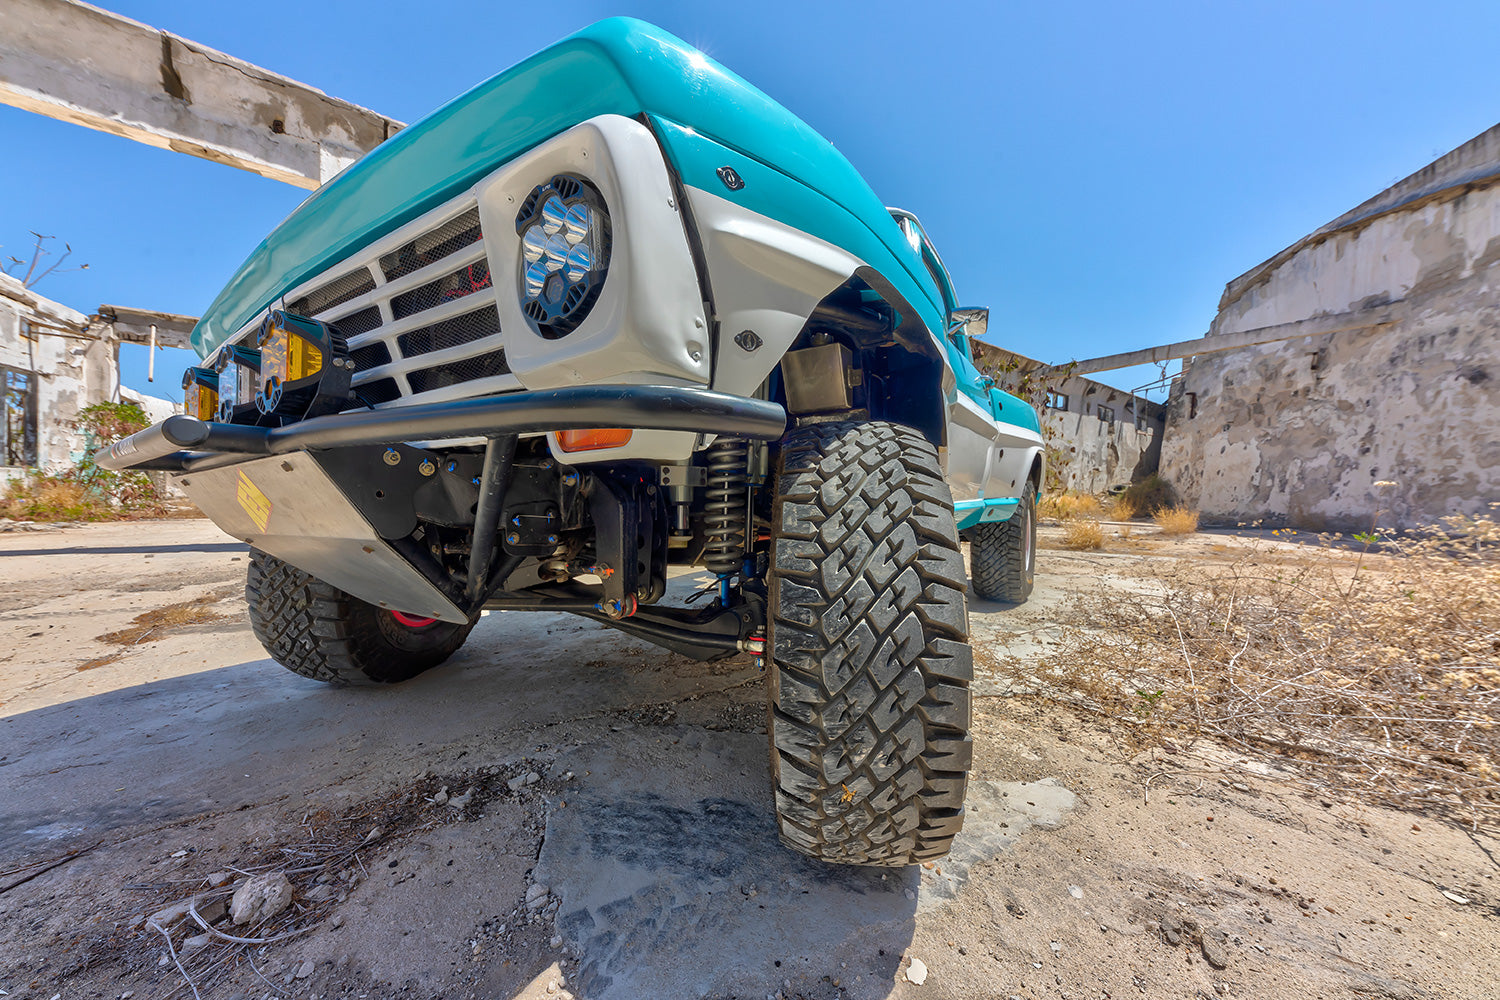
(1098, 437)
(54, 361)
(1397, 415)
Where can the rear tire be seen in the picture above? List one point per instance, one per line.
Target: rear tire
(318, 631)
(868, 683)
(1003, 554)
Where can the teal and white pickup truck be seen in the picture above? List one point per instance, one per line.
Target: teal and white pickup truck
(612, 310)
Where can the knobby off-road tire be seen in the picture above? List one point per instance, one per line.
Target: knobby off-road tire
(868, 683)
(1002, 555)
(317, 630)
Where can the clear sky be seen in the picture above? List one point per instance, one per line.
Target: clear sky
(1094, 173)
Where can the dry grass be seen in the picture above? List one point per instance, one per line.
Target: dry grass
(1083, 535)
(1122, 508)
(165, 619)
(1069, 505)
(1150, 495)
(1374, 675)
(1176, 520)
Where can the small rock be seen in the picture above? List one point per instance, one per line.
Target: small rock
(910, 894)
(195, 942)
(1056, 949)
(532, 778)
(179, 854)
(217, 879)
(916, 973)
(536, 896)
(261, 898)
(556, 941)
(1215, 946)
(127, 995)
(459, 801)
(442, 796)
(552, 986)
(306, 969)
(1075, 892)
(1239, 786)
(163, 960)
(517, 783)
(1171, 929)
(337, 921)
(1455, 897)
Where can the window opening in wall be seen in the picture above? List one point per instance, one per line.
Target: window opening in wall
(1192, 398)
(1142, 422)
(1057, 401)
(1106, 413)
(18, 439)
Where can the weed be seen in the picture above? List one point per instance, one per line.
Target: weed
(1123, 508)
(1150, 495)
(1068, 505)
(1176, 520)
(86, 492)
(1083, 534)
(1380, 682)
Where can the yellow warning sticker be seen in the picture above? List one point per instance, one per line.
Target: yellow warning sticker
(256, 503)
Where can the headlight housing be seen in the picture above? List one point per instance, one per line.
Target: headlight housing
(564, 229)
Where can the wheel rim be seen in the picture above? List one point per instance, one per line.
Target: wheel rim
(412, 621)
(1030, 536)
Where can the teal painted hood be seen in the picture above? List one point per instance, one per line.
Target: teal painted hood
(619, 66)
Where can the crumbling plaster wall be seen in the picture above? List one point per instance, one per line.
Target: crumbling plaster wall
(1301, 432)
(70, 372)
(1085, 452)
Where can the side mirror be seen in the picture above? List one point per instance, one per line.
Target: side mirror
(973, 321)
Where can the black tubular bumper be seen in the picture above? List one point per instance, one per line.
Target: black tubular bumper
(186, 444)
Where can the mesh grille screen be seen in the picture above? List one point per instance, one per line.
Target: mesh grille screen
(357, 323)
(466, 370)
(463, 282)
(450, 333)
(382, 390)
(442, 241)
(336, 292)
(370, 356)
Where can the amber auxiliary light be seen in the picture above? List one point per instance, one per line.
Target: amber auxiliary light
(304, 367)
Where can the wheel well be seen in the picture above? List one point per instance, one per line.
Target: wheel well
(892, 369)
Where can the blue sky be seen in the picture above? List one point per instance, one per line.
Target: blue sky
(1094, 173)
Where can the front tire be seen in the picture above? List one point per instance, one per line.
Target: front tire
(320, 632)
(1003, 554)
(868, 683)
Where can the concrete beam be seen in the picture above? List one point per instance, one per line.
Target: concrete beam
(1364, 319)
(133, 326)
(80, 64)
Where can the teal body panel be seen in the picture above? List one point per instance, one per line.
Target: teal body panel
(618, 66)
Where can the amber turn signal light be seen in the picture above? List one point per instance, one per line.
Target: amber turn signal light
(593, 439)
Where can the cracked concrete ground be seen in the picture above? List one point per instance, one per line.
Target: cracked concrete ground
(611, 834)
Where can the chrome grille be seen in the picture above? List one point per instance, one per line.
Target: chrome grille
(417, 309)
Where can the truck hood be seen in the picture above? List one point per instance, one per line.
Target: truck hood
(618, 66)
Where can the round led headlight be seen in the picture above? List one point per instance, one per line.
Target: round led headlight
(565, 242)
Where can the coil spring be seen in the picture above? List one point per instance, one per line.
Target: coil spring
(727, 507)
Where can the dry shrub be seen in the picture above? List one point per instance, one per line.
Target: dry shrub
(86, 492)
(1176, 520)
(1122, 508)
(1083, 535)
(1150, 495)
(1376, 676)
(46, 497)
(1069, 505)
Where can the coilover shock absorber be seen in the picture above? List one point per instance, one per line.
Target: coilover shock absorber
(727, 509)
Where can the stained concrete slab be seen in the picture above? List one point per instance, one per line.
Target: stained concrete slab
(680, 888)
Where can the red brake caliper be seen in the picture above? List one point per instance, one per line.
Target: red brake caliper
(412, 621)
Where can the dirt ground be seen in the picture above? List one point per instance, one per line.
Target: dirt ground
(562, 810)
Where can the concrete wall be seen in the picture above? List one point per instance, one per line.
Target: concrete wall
(1300, 433)
(1084, 452)
(72, 368)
